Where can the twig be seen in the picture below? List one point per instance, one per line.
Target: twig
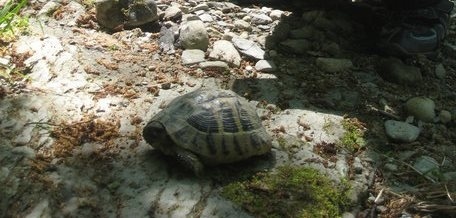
(448, 194)
(443, 161)
(413, 168)
(385, 113)
(429, 207)
(416, 170)
(378, 196)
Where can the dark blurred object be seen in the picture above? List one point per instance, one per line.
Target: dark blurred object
(416, 31)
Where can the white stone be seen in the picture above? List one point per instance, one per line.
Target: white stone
(192, 56)
(202, 6)
(193, 35)
(172, 13)
(276, 14)
(48, 8)
(217, 65)
(248, 48)
(242, 25)
(266, 10)
(206, 17)
(261, 19)
(265, 66)
(247, 18)
(4, 61)
(225, 51)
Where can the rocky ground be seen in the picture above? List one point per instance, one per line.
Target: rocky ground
(75, 96)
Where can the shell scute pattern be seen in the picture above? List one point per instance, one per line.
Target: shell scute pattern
(218, 126)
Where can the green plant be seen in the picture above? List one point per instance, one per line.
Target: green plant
(12, 74)
(8, 21)
(353, 138)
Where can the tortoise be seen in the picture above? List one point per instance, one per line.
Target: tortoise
(208, 127)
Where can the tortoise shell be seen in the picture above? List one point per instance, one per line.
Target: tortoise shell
(218, 126)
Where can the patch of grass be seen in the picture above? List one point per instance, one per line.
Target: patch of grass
(10, 22)
(289, 192)
(352, 139)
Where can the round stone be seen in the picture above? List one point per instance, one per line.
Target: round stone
(193, 35)
(422, 108)
(445, 116)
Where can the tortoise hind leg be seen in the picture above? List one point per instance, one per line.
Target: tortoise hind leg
(190, 160)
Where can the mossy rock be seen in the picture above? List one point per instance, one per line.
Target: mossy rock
(289, 192)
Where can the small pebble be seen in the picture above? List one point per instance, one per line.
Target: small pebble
(192, 56)
(445, 116)
(440, 71)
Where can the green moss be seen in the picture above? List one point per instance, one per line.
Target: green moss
(353, 138)
(289, 192)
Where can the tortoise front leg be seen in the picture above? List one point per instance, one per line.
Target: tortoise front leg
(190, 161)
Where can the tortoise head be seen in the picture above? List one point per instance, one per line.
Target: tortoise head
(156, 135)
